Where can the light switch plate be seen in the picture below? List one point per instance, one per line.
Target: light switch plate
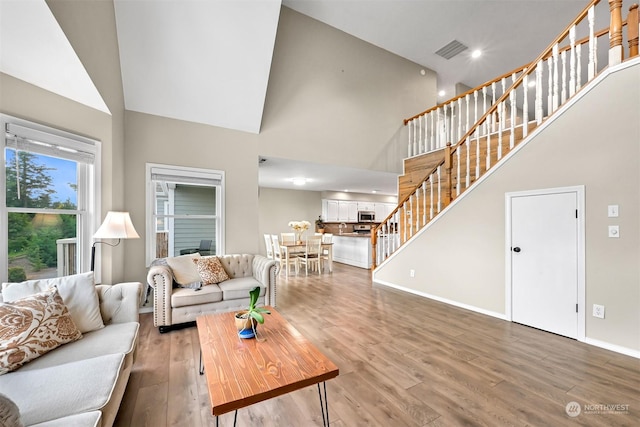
(614, 231)
(612, 211)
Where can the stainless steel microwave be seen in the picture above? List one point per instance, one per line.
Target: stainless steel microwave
(366, 216)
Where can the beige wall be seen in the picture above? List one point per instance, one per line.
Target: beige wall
(26, 101)
(278, 207)
(314, 112)
(91, 29)
(594, 143)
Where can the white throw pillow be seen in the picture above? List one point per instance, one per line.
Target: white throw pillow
(184, 269)
(78, 292)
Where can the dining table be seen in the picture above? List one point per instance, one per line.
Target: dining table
(301, 246)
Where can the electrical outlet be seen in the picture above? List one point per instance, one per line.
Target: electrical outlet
(612, 211)
(598, 311)
(412, 273)
(614, 231)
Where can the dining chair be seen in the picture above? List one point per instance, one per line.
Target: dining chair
(268, 243)
(324, 255)
(282, 255)
(311, 255)
(291, 238)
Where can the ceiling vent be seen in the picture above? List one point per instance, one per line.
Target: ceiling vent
(452, 49)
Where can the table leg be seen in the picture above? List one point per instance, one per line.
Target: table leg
(324, 407)
(201, 370)
(235, 419)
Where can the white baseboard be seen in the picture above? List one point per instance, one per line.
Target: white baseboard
(615, 348)
(597, 343)
(145, 310)
(444, 300)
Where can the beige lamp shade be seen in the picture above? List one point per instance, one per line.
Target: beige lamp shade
(116, 225)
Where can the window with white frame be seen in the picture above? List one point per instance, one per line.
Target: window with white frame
(49, 195)
(184, 211)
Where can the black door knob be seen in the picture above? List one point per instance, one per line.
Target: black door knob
(516, 249)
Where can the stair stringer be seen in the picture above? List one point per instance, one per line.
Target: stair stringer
(599, 112)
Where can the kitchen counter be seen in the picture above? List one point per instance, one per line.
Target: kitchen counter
(353, 249)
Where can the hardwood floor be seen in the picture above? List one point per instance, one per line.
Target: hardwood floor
(404, 361)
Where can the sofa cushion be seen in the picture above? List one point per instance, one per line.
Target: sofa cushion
(59, 391)
(114, 338)
(183, 268)
(210, 270)
(239, 288)
(78, 293)
(33, 326)
(206, 294)
(86, 419)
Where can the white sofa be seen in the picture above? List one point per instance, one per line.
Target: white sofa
(80, 383)
(177, 303)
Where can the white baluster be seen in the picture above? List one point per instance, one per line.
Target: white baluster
(572, 61)
(438, 126)
(525, 105)
(404, 208)
(563, 92)
(512, 104)
(488, 156)
(538, 101)
(459, 116)
(424, 202)
(578, 67)
(493, 101)
(475, 107)
(458, 180)
(409, 132)
(484, 108)
(477, 157)
(426, 134)
(556, 79)
(501, 108)
(468, 177)
(432, 146)
(466, 127)
(431, 197)
(593, 45)
(419, 138)
(550, 93)
(439, 190)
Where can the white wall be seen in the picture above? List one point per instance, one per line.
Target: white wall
(461, 257)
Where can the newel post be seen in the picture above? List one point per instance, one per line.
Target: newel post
(374, 242)
(448, 166)
(633, 29)
(615, 33)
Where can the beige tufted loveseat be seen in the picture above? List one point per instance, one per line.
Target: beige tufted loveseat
(177, 305)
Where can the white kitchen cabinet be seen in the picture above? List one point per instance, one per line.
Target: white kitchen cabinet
(347, 211)
(366, 206)
(330, 210)
(383, 210)
(352, 250)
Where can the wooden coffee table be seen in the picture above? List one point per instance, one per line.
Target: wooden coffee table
(241, 372)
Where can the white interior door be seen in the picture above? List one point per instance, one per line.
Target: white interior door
(544, 251)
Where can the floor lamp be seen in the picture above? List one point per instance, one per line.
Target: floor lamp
(116, 225)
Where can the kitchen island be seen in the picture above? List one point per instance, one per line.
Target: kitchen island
(353, 249)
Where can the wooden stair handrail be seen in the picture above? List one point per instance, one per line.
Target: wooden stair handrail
(547, 54)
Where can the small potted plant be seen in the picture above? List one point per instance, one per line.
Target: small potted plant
(247, 320)
(320, 224)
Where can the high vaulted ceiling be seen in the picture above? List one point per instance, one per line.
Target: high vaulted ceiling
(209, 61)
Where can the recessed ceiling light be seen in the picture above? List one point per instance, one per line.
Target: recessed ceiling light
(476, 53)
(299, 181)
(374, 191)
(442, 93)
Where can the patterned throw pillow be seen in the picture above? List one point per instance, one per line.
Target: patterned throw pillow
(33, 326)
(211, 270)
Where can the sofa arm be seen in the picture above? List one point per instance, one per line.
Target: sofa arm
(160, 278)
(119, 303)
(264, 271)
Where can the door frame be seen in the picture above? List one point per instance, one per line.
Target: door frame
(579, 190)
